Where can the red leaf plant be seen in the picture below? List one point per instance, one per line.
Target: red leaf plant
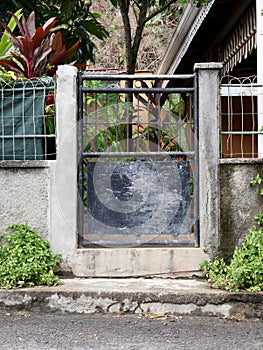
(38, 50)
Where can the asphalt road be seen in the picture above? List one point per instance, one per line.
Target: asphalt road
(23, 330)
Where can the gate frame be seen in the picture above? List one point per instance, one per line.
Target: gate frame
(140, 77)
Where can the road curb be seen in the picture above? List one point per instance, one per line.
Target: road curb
(154, 296)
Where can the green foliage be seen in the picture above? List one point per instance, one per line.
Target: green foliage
(108, 109)
(74, 18)
(197, 2)
(215, 271)
(100, 100)
(259, 219)
(26, 259)
(108, 138)
(5, 45)
(162, 3)
(6, 77)
(37, 49)
(50, 113)
(176, 104)
(159, 137)
(256, 180)
(111, 108)
(245, 270)
(5, 42)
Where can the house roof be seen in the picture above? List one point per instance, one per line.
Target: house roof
(215, 32)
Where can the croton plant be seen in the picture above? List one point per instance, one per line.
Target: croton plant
(37, 50)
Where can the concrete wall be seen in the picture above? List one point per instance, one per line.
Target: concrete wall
(25, 194)
(239, 202)
(43, 194)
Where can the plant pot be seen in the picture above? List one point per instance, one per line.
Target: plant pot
(22, 119)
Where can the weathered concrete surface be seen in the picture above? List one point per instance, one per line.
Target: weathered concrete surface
(131, 262)
(208, 144)
(63, 179)
(134, 295)
(239, 202)
(24, 194)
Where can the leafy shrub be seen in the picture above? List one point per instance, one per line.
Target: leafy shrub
(26, 259)
(245, 270)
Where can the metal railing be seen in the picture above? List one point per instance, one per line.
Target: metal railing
(27, 120)
(241, 134)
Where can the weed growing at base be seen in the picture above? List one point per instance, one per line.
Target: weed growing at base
(245, 270)
(26, 259)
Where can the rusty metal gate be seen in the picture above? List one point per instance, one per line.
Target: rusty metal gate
(138, 160)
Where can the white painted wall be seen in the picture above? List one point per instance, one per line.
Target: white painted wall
(63, 181)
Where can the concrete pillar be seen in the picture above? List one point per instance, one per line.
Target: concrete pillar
(209, 113)
(63, 191)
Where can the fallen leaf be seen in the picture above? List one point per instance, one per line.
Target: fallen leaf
(22, 313)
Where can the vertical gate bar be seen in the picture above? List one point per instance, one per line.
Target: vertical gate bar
(196, 165)
(149, 123)
(95, 118)
(80, 219)
(168, 126)
(129, 100)
(106, 142)
(136, 120)
(117, 122)
(157, 98)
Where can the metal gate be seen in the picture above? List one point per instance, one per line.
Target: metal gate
(138, 160)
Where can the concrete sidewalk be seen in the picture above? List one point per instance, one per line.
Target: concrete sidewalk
(134, 295)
